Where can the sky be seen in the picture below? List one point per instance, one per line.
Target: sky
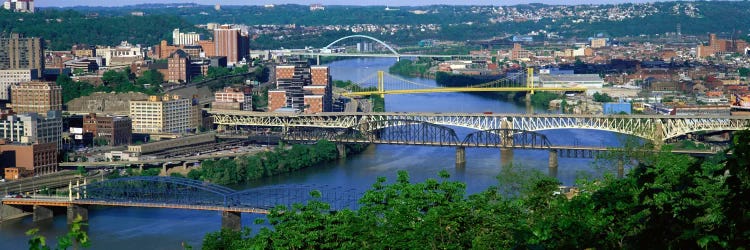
(67, 3)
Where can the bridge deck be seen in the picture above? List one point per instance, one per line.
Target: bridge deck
(65, 203)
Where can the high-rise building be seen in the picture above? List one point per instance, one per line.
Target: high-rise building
(230, 42)
(19, 5)
(302, 87)
(167, 114)
(179, 38)
(36, 97)
(18, 52)
(14, 76)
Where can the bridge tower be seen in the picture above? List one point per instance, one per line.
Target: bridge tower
(529, 86)
(381, 84)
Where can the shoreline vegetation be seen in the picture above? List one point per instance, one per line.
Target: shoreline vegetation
(667, 201)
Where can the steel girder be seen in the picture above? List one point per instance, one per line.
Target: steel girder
(506, 138)
(651, 127)
(394, 131)
(183, 191)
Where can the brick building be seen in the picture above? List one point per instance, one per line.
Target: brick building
(116, 130)
(36, 97)
(19, 52)
(302, 87)
(23, 160)
(178, 67)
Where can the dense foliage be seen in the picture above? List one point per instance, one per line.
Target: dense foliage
(406, 67)
(543, 98)
(667, 202)
(113, 81)
(63, 28)
(458, 80)
(599, 97)
(246, 168)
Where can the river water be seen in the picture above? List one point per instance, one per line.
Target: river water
(143, 228)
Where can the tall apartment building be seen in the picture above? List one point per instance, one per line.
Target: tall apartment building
(117, 130)
(19, 5)
(230, 42)
(167, 114)
(234, 98)
(14, 76)
(178, 67)
(32, 128)
(18, 52)
(179, 38)
(36, 97)
(301, 87)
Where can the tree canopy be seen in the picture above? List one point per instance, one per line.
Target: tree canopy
(668, 201)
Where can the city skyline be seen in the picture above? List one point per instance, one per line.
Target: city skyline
(70, 3)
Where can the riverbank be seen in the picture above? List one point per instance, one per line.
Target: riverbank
(281, 160)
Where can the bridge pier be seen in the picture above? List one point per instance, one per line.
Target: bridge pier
(9, 212)
(553, 164)
(77, 210)
(620, 168)
(506, 156)
(460, 156)
(42, 213)
(342, 150)
(231, 220)
(317, 60)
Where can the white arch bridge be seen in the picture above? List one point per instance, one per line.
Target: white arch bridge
(655, 128)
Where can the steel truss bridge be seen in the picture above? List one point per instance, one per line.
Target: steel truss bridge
(651, 127)
(179, 193)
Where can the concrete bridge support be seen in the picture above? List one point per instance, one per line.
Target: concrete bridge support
(342, 150)
(506, 156)
(553, 163)
(231, 220)
(620, 168)
(77, 210)
(9, 212)
(42, 213)
(460, 156)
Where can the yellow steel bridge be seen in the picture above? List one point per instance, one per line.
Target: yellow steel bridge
(389, 84)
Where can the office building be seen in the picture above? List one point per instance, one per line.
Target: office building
(121, 55)
(116, 130)
(179, 38)
(31, 128)
(36, 97)
(26, 160)
(167, 114)
(18, 52)
(234, 99)
(14, 76)
(230, 42)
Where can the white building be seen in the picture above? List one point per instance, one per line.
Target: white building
(179, 38)
(19, 5)
(32, 128)
(121, 55)
(167, 114)
(589, 81)
(14, 76)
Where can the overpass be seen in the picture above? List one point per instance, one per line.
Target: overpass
(175, 193)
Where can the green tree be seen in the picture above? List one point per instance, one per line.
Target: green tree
(602, 97)
(76, 237)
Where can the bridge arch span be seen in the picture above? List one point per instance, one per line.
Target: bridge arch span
(366, 37)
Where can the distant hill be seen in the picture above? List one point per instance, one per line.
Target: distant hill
(458, 23)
